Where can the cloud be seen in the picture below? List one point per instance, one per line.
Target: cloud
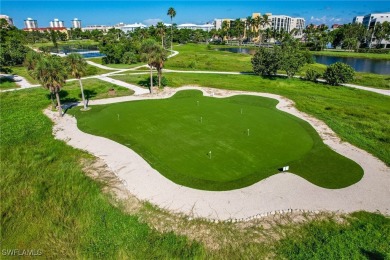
(152, 21)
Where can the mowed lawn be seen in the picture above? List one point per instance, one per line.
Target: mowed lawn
(249, 139)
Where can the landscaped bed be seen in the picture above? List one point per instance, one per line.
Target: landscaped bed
(220, 144)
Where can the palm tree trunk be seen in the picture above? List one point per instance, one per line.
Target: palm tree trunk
(171, 35)
(59, 104)
(82, 94)
(151, 79)
(159, 77)
(53, 103)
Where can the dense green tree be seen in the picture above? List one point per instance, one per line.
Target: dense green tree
(77, 67)
(266, 61)
(12, 49)
(292, 60)
(338, 73)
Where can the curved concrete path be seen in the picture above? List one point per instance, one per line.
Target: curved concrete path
(280, 192)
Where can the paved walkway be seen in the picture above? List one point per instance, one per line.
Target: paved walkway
(100, 65)
(279, 193)
(137, 90)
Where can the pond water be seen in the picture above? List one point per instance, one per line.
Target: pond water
(359, 64)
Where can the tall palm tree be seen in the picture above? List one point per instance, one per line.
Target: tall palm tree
(225, 29)
(159, 57)
(147, 55)
(50, 72)
(160, 31)
(171, 13)
(77, 67)
(257, 24)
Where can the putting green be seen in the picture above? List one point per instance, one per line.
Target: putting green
(249, 140)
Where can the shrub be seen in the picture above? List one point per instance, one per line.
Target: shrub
(129, 58)
(146, 82)
(266, 61)
(338, 73)
(308, 57)
(312, 75)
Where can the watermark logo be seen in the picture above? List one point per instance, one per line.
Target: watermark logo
(21, 252)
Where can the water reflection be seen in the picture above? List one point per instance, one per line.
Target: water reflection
(359, 64)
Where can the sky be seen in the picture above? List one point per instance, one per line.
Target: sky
(149, 12)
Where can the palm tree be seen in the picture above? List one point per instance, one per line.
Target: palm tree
(77, 68)
(225, 29)
(159, 56)
(147, 55)
(50, 72)
(172, 14)
(160, 31)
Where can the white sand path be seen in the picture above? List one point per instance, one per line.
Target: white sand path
(279, 192)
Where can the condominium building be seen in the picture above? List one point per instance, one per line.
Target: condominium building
(219, 22)
(103, 28)
(7, 18)
(76, 23)
(370, 20)
(358, 19)
(204, 27)
(30, 23)
(131, 27)
(298, 24)
(56, 23)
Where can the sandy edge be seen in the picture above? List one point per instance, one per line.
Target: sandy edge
(278, 193)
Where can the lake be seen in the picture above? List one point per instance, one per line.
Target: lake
(359, 64)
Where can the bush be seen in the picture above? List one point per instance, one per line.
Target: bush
(312, 75)
(308, 57)
(266, 61)
(146, 82)
(129, 58)
(338, 73)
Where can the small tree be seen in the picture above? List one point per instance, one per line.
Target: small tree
(266, 61)
(338, 73)
(291, 61)
(50, 72)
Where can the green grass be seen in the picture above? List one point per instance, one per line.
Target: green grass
(6, 83)
(361, 78)
(275, 139)
(353, 54)
(22, 71)
(48, 203)
(199, 57)
(363, 236)
(357, 116)
(66, 43)
(93, 89)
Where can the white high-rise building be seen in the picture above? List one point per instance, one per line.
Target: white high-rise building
(370, 20)
(281, 22)
(76, 23)
(56, 23)
(30, 23)
(298, 24)
(7, 18)
(358, 19)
